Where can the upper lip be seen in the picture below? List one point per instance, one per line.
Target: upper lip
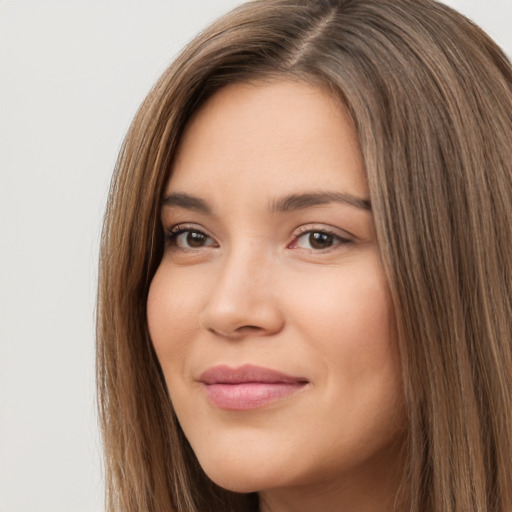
(224, 374)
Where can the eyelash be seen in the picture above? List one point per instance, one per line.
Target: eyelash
(172, 234)
(338, 240)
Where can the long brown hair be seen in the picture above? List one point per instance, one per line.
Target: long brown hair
(431, 97)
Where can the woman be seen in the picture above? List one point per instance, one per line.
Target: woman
(305, 287)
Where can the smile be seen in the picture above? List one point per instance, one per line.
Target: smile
(247, 387)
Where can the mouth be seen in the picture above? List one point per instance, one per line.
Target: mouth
(248, 387)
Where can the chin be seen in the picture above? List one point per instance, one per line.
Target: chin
(246, 474)
(237, 485)
(236, 480)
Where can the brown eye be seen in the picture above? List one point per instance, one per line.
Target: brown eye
(190, 239)
(318, 240)
(195, 239)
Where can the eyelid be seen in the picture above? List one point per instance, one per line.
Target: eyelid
(337, 232)
(172, 232)
(184, 226)
(343, 237)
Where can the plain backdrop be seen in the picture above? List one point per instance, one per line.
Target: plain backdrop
(72, 74)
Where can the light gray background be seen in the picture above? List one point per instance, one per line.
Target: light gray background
(72, 74)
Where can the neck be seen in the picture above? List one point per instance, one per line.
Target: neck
(372, 487)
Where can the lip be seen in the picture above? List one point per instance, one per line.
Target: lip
(248, 387)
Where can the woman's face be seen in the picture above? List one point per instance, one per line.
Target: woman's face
(269, 312)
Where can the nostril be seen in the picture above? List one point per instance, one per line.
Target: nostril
(237, 332)
(248, 328)
(236, 320)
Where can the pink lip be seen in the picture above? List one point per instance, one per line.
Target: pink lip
(247, 387)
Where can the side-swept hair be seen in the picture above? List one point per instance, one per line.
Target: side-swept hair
(431, 97)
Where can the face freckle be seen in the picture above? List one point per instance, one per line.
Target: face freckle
(270, 313)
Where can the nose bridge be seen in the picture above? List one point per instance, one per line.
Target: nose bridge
(238, 278)
(242, 297)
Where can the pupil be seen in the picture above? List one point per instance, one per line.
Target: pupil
(320, 240)
(195, 239)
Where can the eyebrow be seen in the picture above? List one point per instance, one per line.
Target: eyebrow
(303, 201)
(284, 204)
(187, 202)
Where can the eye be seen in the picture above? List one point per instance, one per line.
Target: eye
(189, 238)
(318, 240)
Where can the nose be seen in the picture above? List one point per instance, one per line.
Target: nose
(243, 301)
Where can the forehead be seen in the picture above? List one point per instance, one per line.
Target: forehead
(270, 135)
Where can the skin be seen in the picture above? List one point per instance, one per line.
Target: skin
(255, 288)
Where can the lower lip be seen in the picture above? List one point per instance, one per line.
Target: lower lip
(249, 395)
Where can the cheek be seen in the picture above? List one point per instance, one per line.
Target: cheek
(350, 307)
(172, 316)
(348, 322)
